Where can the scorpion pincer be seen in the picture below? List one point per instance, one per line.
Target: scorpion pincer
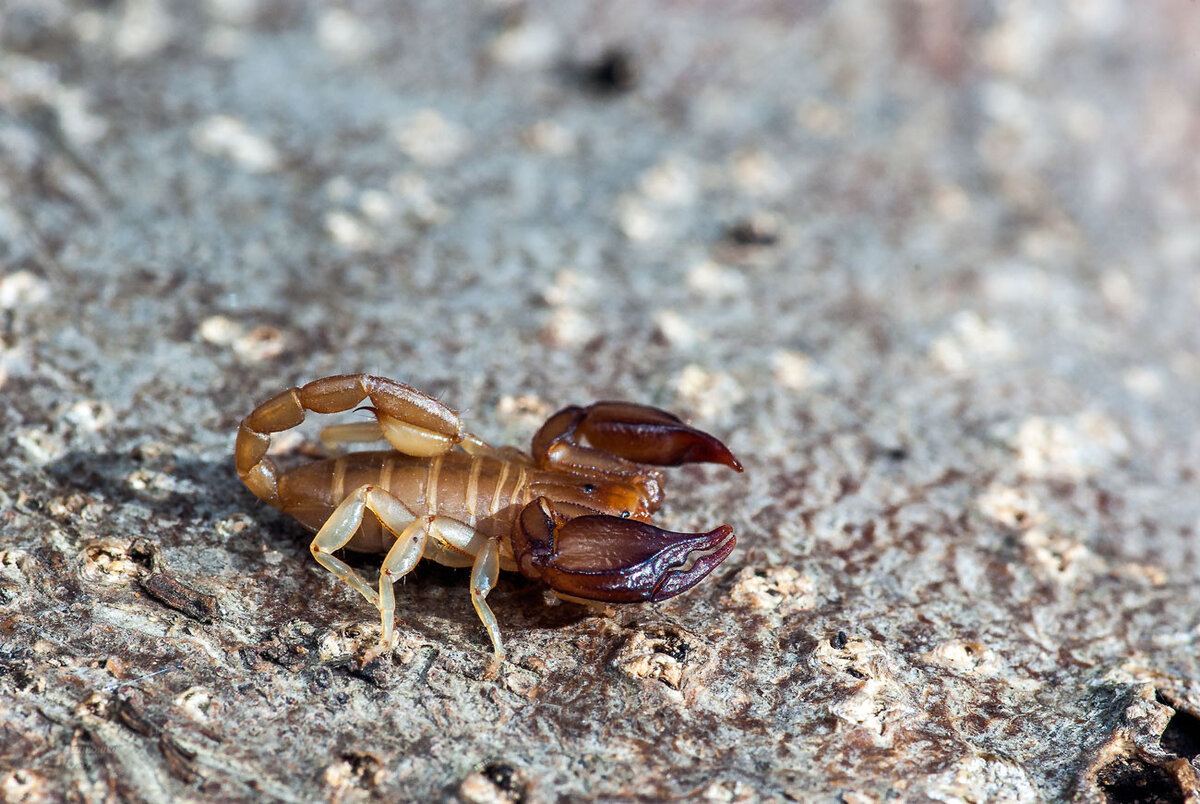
(574, 512)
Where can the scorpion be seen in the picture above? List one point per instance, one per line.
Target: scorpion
(574, 512)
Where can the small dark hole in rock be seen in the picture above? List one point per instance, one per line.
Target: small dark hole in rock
(504, 776)
(1132, 781)
(363, 765)
(755, 231)
(1181, 737)
(321, 679)
(861, 676)
(613, 72)
(676, 649)
(896, 453)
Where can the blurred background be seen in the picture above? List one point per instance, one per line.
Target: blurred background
(928, 267)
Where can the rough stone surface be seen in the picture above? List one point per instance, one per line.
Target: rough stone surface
(930, 266)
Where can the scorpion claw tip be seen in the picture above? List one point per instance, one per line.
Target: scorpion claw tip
(703, 559)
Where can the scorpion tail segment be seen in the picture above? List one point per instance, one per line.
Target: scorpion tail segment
(637, 433)
(281, 412)
(611, 559)
(412, 422)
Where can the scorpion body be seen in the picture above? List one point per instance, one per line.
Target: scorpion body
(484, 492)
(573, 513)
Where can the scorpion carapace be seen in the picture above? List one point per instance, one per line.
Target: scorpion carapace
(574, 513)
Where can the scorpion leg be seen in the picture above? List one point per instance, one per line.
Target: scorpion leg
(409, 548)
(335, 435)
(484, 573)
(409, 531)
(405, 552)
(456, 540)
(399, 561)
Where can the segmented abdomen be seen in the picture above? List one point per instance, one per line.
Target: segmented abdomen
(482, 492)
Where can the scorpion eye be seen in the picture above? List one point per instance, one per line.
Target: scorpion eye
(625, 515)
(588, 488)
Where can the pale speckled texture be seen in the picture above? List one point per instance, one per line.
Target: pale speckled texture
(931, 267)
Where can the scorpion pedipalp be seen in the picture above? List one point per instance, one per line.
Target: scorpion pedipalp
(638, 434)
(613, 559)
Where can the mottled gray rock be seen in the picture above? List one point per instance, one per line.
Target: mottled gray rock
(930, 267)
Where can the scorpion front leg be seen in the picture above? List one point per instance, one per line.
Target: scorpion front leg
(484, 574)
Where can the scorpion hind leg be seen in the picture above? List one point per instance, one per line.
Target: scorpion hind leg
(336, 435)
(613, 559)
